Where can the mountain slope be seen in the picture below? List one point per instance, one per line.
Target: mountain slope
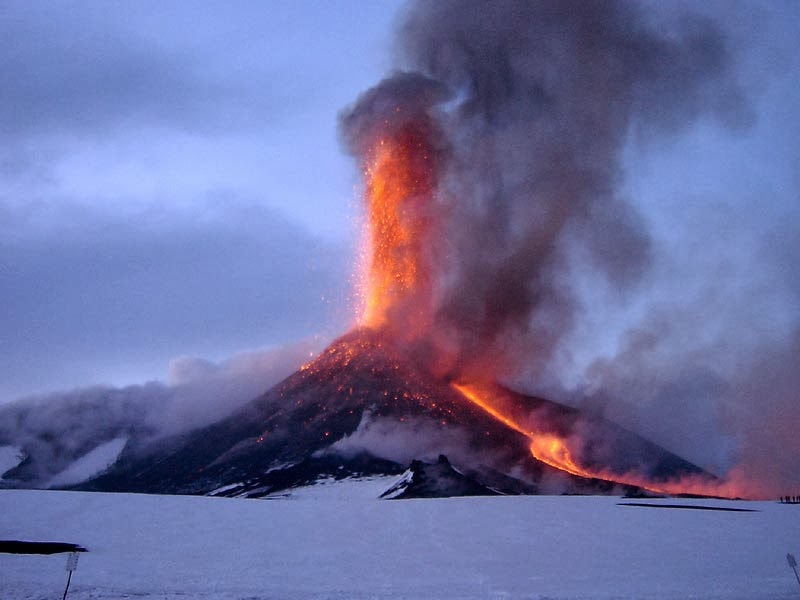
(364, 406)
(436, 480)
(356, 379)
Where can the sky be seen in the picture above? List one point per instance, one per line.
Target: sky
(172, 185)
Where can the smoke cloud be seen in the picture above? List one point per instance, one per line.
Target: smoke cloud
(50, 432)
(535, 107)
(418, 439)
(543, 97)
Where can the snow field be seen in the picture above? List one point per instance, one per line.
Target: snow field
(336, 541)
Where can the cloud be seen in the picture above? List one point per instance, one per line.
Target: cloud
(87, 294)
(155, 184)
(206, 391)
(526, 109)
(164, 98)
(54, 430)
(706, 367)
(76, 70)
(414, 438)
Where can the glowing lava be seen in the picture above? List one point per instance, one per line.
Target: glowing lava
(563, 452)
(546, 447)
(400, 183)
(552, 450)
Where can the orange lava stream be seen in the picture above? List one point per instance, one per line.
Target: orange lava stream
(546, 447)
(552, 450)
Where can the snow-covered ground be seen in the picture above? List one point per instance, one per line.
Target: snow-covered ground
(336, 541)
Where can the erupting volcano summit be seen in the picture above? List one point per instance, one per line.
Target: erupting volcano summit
(491, 165)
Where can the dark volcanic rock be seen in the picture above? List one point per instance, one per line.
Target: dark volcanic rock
(306, 414)
(436, 480)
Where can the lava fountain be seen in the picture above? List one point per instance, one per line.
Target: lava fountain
(400, 183)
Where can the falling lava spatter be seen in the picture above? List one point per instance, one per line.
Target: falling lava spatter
(400, 181)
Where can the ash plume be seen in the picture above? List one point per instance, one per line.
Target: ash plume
(533, 239)
(533, 104)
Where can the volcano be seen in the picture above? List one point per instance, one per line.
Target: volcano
(365, 406)
(490, 195)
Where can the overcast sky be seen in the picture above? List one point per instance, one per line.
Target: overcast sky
(171, 181)
(171, 184)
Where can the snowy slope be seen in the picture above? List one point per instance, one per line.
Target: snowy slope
(10, 457)
(90, 464)
(337, 541)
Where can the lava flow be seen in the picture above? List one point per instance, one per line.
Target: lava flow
(545, 446)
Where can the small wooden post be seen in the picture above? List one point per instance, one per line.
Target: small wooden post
(793, 563)
(72, 564)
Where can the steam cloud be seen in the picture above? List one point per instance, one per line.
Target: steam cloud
(51, 431)
(532, 105)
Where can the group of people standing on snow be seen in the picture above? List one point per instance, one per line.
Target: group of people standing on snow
(790, 499)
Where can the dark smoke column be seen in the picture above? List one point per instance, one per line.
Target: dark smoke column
(529, 105)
